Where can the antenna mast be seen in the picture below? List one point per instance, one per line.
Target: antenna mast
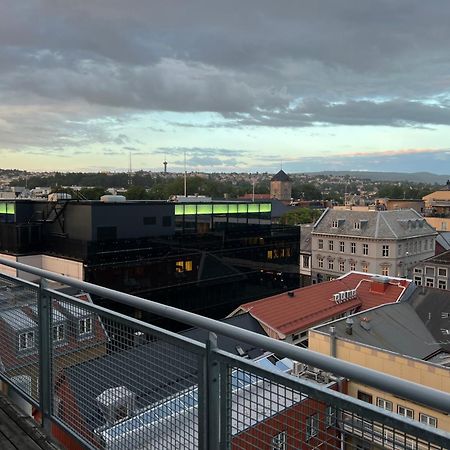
(185, 175)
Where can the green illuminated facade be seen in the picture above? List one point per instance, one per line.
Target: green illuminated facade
(7, 212)
(221, 208)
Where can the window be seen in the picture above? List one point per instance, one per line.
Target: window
(85, 326)
(442, 272)
(320, 244)
(429, 271)
(428, 420)
(365, 267)
(357, 225)
(385, 271)
(415, 247)
(403, 411)
(334, 224)
(425, 244)
(167, 221)
(353, 247)
(341, 266)
(442, 284)
(331, 265)
(385, 404)
(150, 220)
(418, 280)
(330, 245)
(417, 270)
(279, 441)
(269, 254)
(312, 426)
(342, 246)
(352, 266)
(330, 416)
(320, 263)
(365, 249)
(364, 397)
(399, 249)
(183, 266)
(306, 261)
(385, 250)
(58, 333)
(26, 340)
(429, 282)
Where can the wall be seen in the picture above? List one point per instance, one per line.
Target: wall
(6, 269)
(62, 266)
(438, 223)
(128, 218)
(390, 363)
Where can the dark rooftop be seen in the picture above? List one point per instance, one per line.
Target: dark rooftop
(281, 176)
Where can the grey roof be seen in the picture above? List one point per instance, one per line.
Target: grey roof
(395, 327)
(57, 316)
(281, 176)
(244, 321)
(74, 310)
(396, 224)
(168, 370)
(180, 412)
(305, 238)
(432, 305)
(443, 238)
(441, 259)
(17, 319)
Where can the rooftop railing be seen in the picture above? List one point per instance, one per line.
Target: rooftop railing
(97, 379)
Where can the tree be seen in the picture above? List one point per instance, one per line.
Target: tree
(300, 216)
(136, 193)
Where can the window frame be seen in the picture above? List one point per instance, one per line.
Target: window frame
(312, 426)
(365, 249)
(279, 441)
(382, 403)
(353, 248)
(342, 246)
(406, 411)
(427, 420)
(29, 336)
(88, 331)
(385, 251)
(60, 337)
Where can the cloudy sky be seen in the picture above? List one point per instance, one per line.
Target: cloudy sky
(236, 85)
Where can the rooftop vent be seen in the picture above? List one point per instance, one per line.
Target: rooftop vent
(365, 323)
(379, 284)
(116, 403)
(291, 293)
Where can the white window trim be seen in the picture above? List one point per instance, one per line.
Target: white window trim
(385, 404)
(428, 420)
(29, 340)
(405, 412)
(86, 330)
(60, 335)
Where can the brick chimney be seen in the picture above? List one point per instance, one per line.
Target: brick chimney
(379, 284)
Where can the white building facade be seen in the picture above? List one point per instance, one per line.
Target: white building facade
(386, 243)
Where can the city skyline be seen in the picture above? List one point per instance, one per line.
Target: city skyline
(242, 86)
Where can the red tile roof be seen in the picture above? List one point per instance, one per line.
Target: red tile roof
(284, 314)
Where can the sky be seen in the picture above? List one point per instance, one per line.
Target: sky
(244, 86)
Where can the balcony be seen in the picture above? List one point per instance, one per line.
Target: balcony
(97, 379)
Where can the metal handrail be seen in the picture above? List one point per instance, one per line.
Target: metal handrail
(423, 395)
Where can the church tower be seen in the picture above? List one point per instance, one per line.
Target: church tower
(281, 186)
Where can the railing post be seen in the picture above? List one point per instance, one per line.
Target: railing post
(45, 351)
(213, 409)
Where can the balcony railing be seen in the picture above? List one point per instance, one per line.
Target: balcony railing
(100, 380)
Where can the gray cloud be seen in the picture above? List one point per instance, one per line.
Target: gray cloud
(254, 63)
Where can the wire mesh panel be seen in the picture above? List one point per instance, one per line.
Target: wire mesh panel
(19, 336)
(266, 412)
(119, 385)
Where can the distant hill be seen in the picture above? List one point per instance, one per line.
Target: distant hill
(417, 177)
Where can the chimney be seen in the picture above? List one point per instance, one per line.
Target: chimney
(379, 284)
(349, 325)
(333, 341)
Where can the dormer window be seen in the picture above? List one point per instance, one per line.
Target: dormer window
(85, 326)
(26, 340)
(357, 225)
(59, 333)
(335, 224)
